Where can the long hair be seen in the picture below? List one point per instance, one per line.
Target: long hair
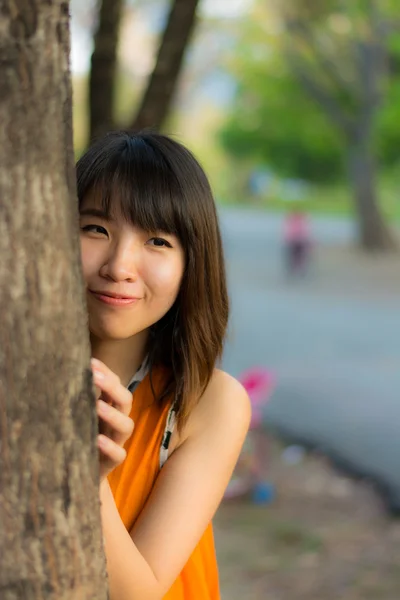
(159, 185)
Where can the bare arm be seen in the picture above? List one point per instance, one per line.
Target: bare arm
(144, 564)
(130, 575)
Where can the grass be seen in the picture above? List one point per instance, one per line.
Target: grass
(329, 200)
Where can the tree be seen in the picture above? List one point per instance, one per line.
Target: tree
(104, 68)
(307, 105)
(339, 53)
(50, 535)
(161, 86)
(159, 92)
(274, 124)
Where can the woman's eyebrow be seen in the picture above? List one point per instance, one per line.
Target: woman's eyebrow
(95, 212)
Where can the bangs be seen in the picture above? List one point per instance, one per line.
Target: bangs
(132, 179)
(153, 182)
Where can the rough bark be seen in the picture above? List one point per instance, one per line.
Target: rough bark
(158, 96)
(50, 536)
(104, 68)
(373, 232)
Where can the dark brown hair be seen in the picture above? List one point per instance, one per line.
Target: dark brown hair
(159, 185)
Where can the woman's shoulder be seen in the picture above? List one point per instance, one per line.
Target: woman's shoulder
(226, 387)
(225, 394)
(224, 403)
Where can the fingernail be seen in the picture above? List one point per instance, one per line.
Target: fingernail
(103, 406)
(98, 374)
(102, 441)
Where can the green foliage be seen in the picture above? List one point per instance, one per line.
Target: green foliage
(388, 122)
(273, 122)
(388, 127)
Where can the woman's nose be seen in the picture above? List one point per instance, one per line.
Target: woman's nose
(121, 264)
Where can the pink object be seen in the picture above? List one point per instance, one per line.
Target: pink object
(296, 228)
(259, 384)
(250, 471)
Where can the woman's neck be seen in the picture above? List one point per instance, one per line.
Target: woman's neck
(123, 357)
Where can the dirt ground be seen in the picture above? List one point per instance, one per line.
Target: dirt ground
(324, 537)
(373, 276)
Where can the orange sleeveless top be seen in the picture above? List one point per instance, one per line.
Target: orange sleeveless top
(131, 484)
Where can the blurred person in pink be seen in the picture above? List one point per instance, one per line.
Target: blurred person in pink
(297, 242)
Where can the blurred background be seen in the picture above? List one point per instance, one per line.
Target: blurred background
(293, 109)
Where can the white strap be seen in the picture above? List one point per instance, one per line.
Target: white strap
(139, 375)
(169, 428)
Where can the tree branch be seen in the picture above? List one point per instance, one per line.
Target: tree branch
(372, 60)
(162, 83)
(320, 95)
(326, 65)
(104, 67)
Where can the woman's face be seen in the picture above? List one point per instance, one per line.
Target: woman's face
(132, 276)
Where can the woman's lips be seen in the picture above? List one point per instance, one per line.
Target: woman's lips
(114, 300)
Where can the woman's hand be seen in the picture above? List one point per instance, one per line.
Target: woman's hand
(113, 408)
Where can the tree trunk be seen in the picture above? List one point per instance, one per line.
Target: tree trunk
(373, 232)
(161, 87)
(103, 71)
(50, 535)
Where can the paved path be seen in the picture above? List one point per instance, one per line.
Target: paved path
(333, 339)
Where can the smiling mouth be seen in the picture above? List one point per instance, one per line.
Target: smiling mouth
(114, 299)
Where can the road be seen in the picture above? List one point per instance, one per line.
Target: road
(333, 340)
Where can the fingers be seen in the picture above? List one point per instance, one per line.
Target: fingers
(112, 454)
(112, 390)
(113, 409)
(120, 425)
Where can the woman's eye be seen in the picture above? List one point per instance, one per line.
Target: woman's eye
(159, 242)
(95, 229)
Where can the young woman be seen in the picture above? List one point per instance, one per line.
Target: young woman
(172, 424)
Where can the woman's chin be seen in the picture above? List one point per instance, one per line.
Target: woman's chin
(112, 332)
